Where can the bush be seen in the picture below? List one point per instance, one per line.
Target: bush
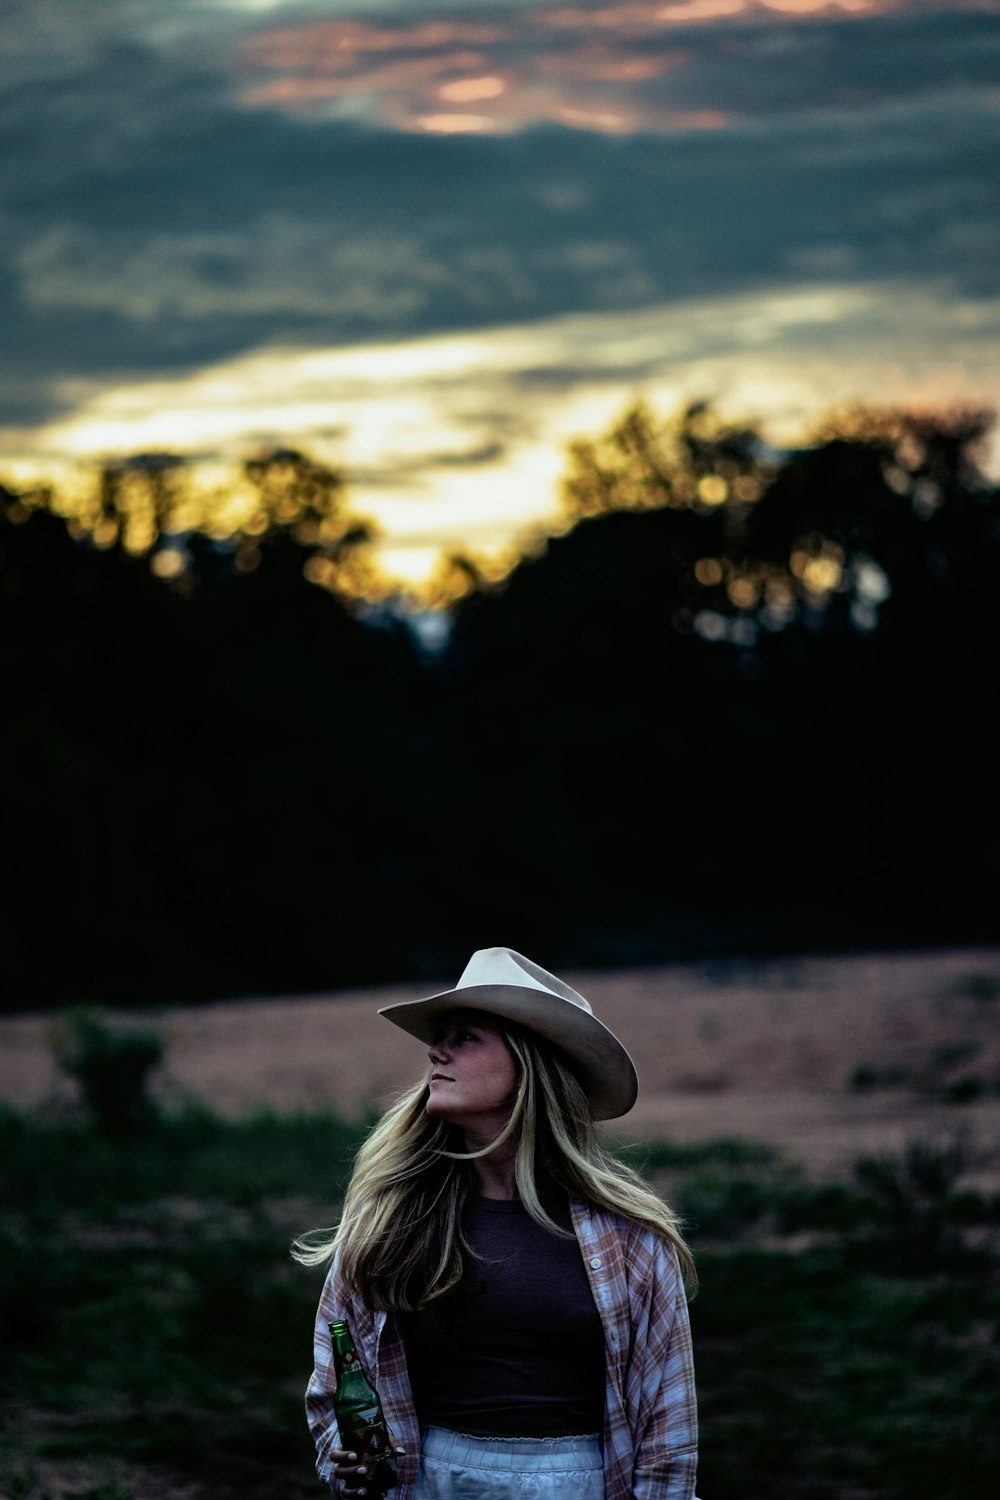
(111, 1067)
(911, 1210)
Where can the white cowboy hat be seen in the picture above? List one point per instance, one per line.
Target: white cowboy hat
(504, 983)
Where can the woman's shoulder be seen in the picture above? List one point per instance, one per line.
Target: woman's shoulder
(613, 1222)
(644, 1251)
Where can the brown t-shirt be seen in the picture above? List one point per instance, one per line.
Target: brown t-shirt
(517, 1349)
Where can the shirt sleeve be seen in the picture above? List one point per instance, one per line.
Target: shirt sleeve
(666, 1429)
(320, 1414)
(384, 1362)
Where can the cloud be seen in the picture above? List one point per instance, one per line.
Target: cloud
(619, 67)
(150, 220)
(288, 269)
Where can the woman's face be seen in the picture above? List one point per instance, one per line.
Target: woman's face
(472, 1079)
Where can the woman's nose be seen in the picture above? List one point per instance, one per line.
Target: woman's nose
(437, 1052)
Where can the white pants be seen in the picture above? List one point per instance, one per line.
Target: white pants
(457, 1466)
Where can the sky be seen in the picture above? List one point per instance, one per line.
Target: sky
(432, 241)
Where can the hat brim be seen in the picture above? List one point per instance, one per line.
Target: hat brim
(600, 1062)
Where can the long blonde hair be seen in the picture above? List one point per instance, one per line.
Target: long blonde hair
(400, 1233)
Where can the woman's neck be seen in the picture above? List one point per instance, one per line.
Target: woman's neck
(495, 1172)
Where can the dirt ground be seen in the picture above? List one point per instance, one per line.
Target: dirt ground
(762, 1049)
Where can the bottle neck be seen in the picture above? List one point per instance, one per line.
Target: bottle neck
(343, 1343)
(350, 1375)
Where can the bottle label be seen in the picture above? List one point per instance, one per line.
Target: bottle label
(364, 1432)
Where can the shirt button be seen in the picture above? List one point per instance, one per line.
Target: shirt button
(596, 1262)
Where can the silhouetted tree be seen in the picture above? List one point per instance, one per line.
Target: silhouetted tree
(206, 785)
(740, 698)
(709, 709)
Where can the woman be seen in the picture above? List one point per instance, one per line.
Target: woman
(516, 1294)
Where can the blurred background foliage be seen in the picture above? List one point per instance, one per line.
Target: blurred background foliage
(111, 1068)
(736, 700)
(157, 1334)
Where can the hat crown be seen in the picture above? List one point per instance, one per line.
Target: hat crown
(504, 966)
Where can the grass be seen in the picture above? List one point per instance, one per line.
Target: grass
(820, 1379)
(158, 1335)
(193, 1154)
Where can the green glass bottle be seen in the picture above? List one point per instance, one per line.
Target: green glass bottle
(359, 1414)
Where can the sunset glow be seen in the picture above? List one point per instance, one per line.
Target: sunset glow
(431, 242)
(446, 443)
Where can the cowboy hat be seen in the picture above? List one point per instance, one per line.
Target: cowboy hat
(505, 984)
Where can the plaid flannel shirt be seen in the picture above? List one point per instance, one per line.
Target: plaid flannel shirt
(650, 1438)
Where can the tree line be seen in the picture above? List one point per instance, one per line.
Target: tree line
(739, 700)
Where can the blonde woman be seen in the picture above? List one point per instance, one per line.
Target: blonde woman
(516, 1294)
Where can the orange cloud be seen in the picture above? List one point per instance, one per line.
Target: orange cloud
(329, 43)
(598, 62)
(404, 75)
(596, 68)
(471, 90)
(700, 10)
(444, 124)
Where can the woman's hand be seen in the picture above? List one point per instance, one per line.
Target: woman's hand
(350, 1476)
